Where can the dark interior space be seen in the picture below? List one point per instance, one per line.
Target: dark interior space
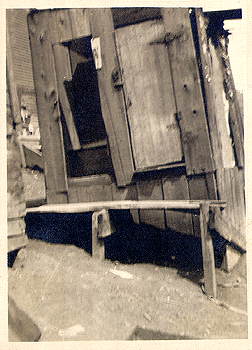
(84, 99)
(87, 109)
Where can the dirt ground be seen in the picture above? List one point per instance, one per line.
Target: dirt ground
(71, 296)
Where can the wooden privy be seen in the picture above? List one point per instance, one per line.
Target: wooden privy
(140, 104)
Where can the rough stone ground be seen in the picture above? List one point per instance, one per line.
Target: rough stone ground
(71, 296)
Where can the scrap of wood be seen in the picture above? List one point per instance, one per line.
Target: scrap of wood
(231, 284)
(227, 306)
(228, 231)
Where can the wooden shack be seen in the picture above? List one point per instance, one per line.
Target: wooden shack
(140, 104)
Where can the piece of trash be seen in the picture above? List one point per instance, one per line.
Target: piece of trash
(147, 317)
(71, 331)
(227, 306)
(122, 274)
(231, 284)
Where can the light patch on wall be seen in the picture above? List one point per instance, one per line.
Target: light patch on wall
(237, 51)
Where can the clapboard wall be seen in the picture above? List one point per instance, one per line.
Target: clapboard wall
(19, 50)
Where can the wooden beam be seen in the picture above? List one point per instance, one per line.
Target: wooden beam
(127, 204)
(112, 101)
(231, 222)
(209, 83)
(80, 22)
(63, 73)
(130, 15)
(207, 252)
(228, 231)
(48, 107)
(60, 23)
(17, 242)
(188, 94)
(98, 247)
(224, 15)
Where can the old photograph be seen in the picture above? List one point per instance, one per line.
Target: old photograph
(126, 206)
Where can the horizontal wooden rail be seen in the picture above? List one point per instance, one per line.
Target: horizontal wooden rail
(128, 204)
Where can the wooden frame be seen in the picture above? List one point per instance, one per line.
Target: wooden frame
(101, 228)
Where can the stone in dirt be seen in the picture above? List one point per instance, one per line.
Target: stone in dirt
(71, 331)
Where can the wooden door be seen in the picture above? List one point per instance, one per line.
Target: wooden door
(149, 95)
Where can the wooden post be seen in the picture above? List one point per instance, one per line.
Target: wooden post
(207, 252)
(187, 89)
(112, 101)
(100, 229)
(63, 73)
(48, 106)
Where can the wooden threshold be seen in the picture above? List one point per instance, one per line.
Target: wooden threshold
(102, 179)
(160, 167)
(98, 144)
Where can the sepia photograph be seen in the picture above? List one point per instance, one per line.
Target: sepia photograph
(126, 198)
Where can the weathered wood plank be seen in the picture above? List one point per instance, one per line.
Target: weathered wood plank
(83, 194)
(126, 204)
(211, 186)
(48, 108)
(127, 193)
(61, 28)
(99, 193)
(80, 22)
(207, 74)
(151, 190)
(231, 222)
(124, 16)
(72, 195)
(216, 102)
(103, 179)
(228, 231)
(63, 73)
(187, 88)
(198, 191)
(32, 157)
(16, 242)
(16, 226)
(149, 94)
(237, 130)
(112, 102)
(207, 252)
(176, 188)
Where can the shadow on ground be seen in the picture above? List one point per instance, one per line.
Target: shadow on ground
(148, 334)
